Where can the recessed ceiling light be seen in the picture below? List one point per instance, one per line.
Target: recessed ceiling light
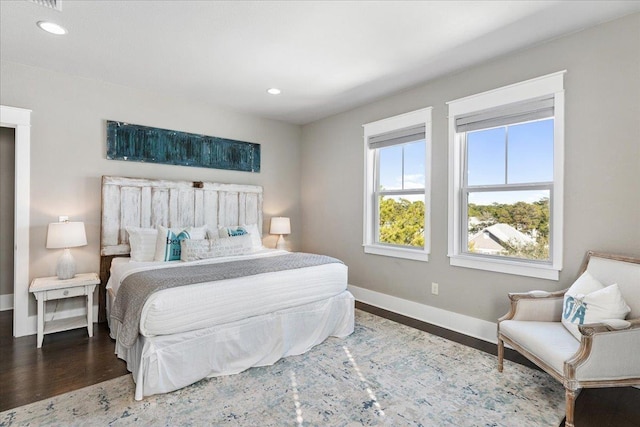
(274, 91)
(52, 28)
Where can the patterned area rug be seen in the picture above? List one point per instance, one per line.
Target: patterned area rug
(383, 374)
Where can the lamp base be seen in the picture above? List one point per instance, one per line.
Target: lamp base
(281, 244)
(66, 268)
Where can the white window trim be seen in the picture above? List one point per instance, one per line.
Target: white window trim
(551, 84)
(413, 118)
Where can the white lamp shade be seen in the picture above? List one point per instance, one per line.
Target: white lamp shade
(280, 225)
(66, 235)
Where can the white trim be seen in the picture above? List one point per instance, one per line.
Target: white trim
(471, 326)
(521, 91)
(507, 266)
(551, 84)
(6, 302)
(397, 252)
(20, 120)
(413, 118)
(558, 182)
(405, 120)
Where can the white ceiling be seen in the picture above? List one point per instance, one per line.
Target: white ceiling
(326, 57)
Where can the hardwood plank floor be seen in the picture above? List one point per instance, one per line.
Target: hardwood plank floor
(67, 361)
(71, 360)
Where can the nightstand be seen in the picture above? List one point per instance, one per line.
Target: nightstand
(51, 288)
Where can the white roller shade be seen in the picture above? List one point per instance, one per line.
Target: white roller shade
(533, 109)
(396, 137)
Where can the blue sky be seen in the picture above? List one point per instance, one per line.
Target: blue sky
(528, 157)
(391, 177)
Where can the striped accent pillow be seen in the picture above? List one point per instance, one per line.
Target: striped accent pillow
(168, 244)
(168, 241)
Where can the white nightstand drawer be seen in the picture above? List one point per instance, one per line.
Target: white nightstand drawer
(65, 293)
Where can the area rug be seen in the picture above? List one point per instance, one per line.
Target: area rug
(385, 373)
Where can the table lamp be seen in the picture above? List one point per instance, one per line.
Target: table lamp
(280, 225)
(65, 235)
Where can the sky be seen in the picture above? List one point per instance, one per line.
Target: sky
(391, 165)
(528, 157)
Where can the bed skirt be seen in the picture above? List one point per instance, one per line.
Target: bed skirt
(166, 363)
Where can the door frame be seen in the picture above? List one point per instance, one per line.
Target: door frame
(20, 120)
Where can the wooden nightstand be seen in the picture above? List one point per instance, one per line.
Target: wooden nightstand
(50, 288)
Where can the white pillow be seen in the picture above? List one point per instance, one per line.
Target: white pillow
(237, 230)
(168, 241)
(198, 232)
(193, 250)
(142, 242)
(588, 301)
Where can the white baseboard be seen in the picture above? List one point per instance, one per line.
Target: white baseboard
(467, 325)
(6, 302)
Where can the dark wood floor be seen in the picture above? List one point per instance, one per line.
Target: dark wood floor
(71, 360)
(67, 361)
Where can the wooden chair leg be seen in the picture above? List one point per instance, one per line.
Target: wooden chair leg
(570, 396)
(500, 354)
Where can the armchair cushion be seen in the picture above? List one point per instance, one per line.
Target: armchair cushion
(548, 341)
(588, 301)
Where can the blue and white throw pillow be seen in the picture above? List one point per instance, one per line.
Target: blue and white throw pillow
(232, 231)
(168, 241)
(589, 301)
(241, 230)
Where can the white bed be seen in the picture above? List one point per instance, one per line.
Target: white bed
(218, 328)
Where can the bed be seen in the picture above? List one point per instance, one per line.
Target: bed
(244, 310)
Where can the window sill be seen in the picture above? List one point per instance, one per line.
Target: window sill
(412, 254)
(506, 266)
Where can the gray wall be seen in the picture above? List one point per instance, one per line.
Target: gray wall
(68, 153)
(602, 170)
(7, 169)
(316, 177)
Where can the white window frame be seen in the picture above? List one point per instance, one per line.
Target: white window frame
(370, 221)
(549, 85)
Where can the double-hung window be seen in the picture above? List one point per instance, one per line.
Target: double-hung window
(505, 195)
(397, 185)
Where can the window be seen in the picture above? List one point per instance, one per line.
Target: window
(506, 179)
(397, 186)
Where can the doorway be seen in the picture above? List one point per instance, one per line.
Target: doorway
(7, 199)
(19, 119)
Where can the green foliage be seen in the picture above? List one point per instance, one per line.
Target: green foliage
(531, 219)
(402, 222)
(535, 250)
(524, 217)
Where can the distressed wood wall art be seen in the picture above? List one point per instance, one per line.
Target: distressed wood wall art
(138, 143)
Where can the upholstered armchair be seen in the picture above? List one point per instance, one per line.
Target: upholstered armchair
(607, 354)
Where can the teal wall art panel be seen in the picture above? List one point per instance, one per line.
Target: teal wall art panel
(136, 143)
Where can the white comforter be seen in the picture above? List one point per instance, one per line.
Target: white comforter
(203, 305)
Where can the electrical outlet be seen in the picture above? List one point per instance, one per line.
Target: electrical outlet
(434, 288)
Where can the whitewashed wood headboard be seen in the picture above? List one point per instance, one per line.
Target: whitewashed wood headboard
(149, 203)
